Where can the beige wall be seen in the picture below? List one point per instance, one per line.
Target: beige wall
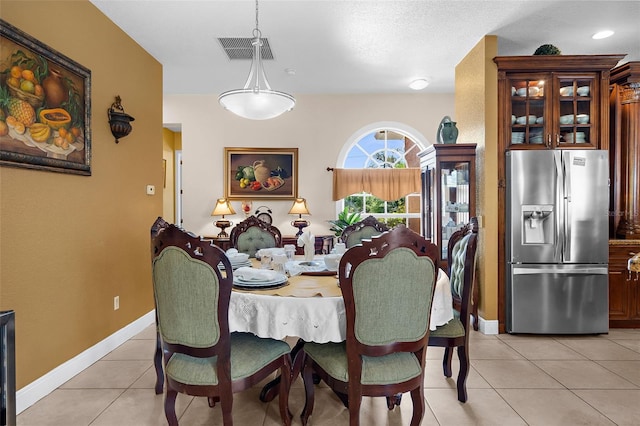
(319, 126)
(477, 117)
(69, 244)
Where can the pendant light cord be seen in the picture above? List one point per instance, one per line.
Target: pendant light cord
(256, 31)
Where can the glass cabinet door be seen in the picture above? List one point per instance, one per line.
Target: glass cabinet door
(576, 111)
(455, 202)
(529, 110)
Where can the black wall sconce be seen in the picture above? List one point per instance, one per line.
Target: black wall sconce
(119, 121)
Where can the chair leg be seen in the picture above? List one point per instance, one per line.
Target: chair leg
(355, 401)
(157, 361)
(417, 397)
(307, 378)
(283, 394)
(446, 361)
(170, 407)
(463, 356)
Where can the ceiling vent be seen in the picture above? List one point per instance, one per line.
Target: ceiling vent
(241, 48)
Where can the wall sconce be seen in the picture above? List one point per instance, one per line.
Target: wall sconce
(223, 206)
(119, 120)
(299, 207)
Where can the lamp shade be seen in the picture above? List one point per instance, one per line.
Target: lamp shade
(223, 206)
(299, 207)
(257, 105)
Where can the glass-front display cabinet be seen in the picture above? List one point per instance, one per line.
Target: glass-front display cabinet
(554, 102)
(448, 192)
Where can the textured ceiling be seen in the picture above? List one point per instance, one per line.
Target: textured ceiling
(360, 46)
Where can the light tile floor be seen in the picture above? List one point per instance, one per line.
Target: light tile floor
(514, 380)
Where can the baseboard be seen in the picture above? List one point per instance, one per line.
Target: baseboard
(43, 386)
(488, 326)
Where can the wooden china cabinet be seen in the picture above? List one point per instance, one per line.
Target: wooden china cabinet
(448, 197)
(448, 191)
(548, 102)
(624, 156)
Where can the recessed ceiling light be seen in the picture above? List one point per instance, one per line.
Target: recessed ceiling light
(419, 84)
(602, 34)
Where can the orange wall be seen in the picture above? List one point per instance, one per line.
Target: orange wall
(69, 244)
(477, 116)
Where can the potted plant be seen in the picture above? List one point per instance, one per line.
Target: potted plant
(344, 219)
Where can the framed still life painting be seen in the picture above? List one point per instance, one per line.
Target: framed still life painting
(45, 106)
(261, 173)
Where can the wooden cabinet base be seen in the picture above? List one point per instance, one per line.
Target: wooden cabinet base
(624, 287)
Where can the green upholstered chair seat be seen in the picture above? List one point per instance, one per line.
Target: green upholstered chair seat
(249, 354)
(453, 328)
(254, 239)
(393, 368)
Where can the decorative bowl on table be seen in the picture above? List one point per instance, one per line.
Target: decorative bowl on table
(331, 261)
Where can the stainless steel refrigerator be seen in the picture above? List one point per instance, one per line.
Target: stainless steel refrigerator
(557, 241)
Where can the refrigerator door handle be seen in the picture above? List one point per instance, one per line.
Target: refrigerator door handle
(566, 190)
(559, 178)
(596, 270)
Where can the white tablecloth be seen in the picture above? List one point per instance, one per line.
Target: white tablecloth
(314, 318)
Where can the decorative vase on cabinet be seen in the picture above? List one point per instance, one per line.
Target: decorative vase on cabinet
(447, 132)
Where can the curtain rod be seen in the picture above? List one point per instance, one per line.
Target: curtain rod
(329, 169)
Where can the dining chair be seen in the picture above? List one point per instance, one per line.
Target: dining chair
(387, 284)
(201, 356)
(253, 234)
(363, 230)
(455, 334)
(158, 225)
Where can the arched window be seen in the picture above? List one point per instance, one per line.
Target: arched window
(384, 148)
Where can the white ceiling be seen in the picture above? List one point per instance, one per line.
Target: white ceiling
(361, 46)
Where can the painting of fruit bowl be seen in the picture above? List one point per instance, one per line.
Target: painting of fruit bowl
(45, 105)
(259, 173)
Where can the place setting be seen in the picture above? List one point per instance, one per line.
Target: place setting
(236, 259)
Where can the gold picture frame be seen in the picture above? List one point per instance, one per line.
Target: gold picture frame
(261, 173)
(53, 130)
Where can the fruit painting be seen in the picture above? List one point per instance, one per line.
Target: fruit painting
(261, 173)
(45, 105)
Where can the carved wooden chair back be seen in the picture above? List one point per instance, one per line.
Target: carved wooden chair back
(253, 234)
(363, 230)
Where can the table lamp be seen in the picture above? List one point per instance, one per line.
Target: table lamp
(299, 207)
(223, 206)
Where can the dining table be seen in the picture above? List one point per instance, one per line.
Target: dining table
(309, 306)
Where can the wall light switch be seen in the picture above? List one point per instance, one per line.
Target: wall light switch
(151, 190)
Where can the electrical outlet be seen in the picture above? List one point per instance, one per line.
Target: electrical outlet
(116, 303)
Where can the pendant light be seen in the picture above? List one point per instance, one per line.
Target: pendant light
(257, 101)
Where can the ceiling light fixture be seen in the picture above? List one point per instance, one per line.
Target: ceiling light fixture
(257, 101)
(419, 84)
(602, 34)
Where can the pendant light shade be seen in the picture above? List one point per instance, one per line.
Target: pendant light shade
(256, 100)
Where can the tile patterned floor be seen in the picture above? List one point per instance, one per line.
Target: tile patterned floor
(514, 380)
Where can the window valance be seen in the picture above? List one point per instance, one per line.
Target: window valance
(386, 184)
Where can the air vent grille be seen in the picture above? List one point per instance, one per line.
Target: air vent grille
(241, 48)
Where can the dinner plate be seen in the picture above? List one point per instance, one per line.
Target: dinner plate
(259, 287)
(239, 282)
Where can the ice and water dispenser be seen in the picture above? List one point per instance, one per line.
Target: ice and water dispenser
(537, 224)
